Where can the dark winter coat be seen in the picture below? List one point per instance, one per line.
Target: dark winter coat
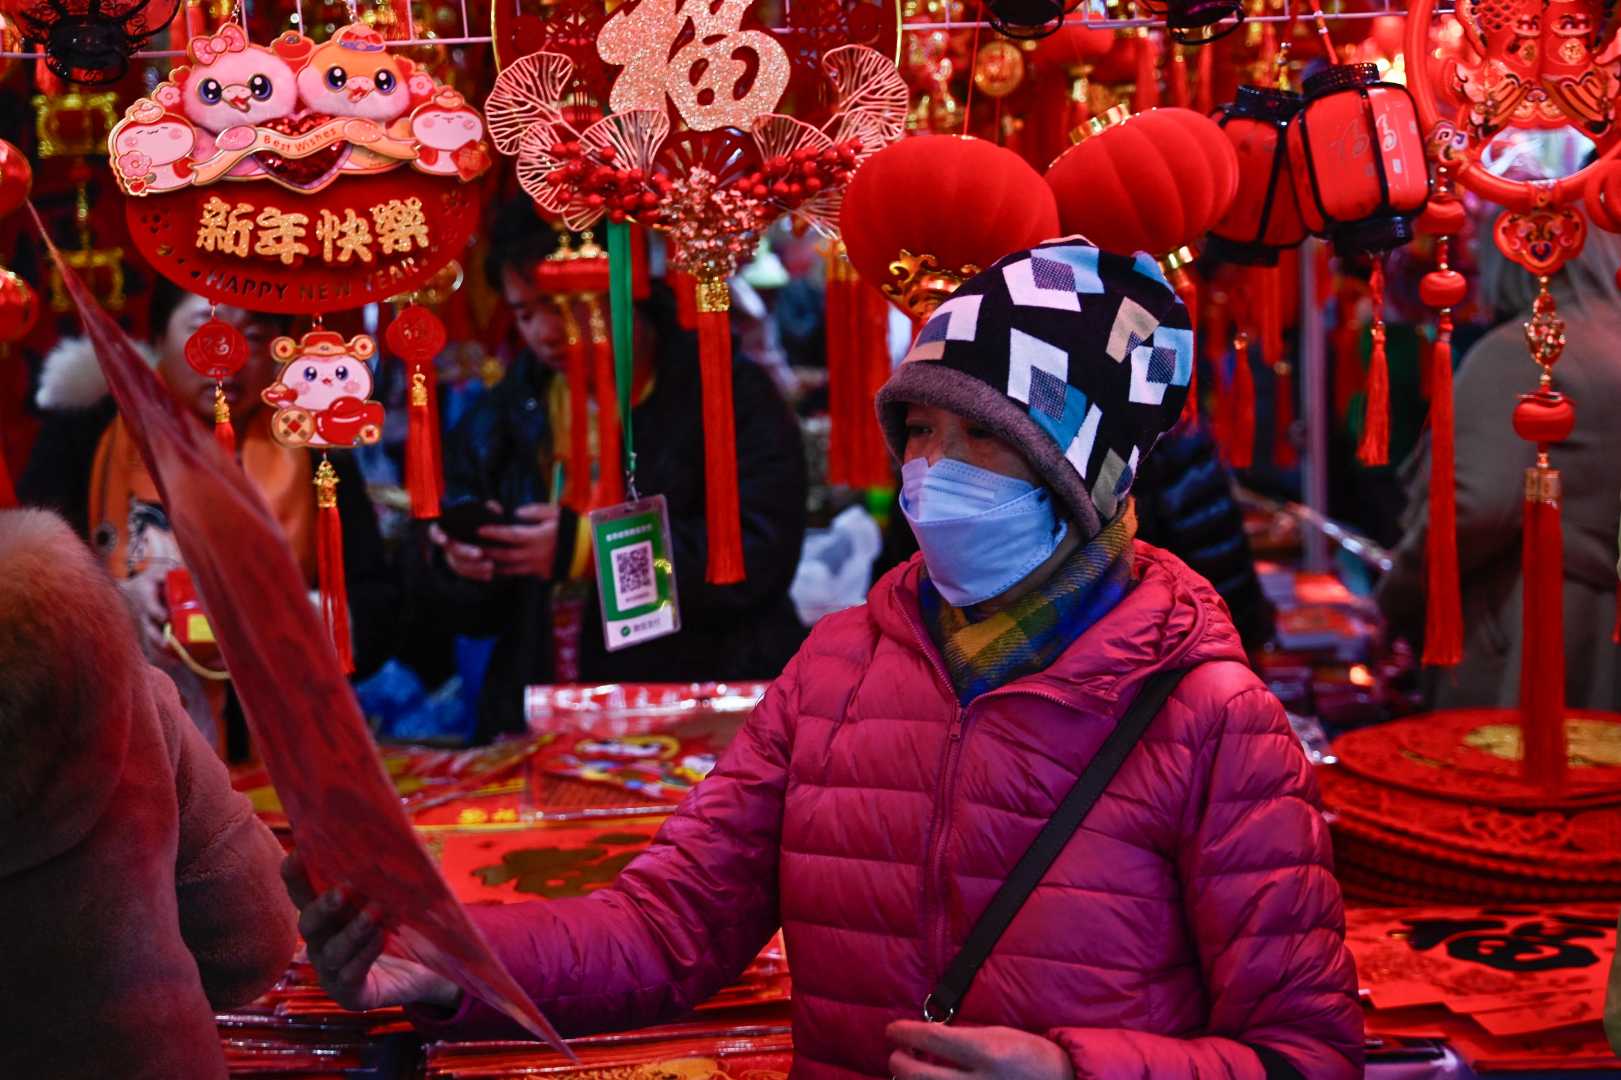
(502, 450)
(138, 892)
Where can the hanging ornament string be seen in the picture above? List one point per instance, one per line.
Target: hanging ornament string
(329, 564)
(1329, 52)
(1374, 450)
(417, 336)
(973, 65)
(218, 351)
(621, 301)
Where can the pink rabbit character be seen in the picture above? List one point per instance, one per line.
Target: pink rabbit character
(233, 87)
(450, 137)
(321, 395)
(152, 149)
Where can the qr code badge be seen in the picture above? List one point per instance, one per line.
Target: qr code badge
(634, 582)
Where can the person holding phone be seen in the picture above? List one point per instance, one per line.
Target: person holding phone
(1186, 925)
(507, 561)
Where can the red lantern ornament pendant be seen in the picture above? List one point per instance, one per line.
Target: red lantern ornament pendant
(417, 336)
(217, 351)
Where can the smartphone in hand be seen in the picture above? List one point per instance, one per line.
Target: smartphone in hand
(461, 520)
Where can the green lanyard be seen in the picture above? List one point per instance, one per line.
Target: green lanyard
(621, 302)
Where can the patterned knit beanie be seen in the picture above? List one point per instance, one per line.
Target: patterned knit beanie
(1077, 358)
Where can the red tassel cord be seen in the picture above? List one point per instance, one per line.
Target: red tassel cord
(1204, 95)
(843, 361)
(1241, 426)
(1147, 94)
(421, 446)
(873, 468)
(1188, 291)
(686, 298)
(1443, 629)
(577, 371)
(1542, 667)
(1176, 82)
(720, 437)
(1375, 446)
(610, 441)
(224, 433)
(329, 563)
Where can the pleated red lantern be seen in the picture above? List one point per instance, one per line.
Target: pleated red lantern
(923, 215)
(1360, 172)
(1264, 217)
(1155, 182)
(16, 178)
(19, 307)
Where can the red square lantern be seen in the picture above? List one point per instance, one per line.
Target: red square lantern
(1265, 216)
(1358, 160)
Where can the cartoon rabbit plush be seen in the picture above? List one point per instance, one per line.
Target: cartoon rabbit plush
(233, 86)
(450, 137)
(354, 74)
(320, 395)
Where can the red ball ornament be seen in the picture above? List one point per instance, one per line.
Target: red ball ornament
(16, 178)
(1443, 217)
(1265, 215)
(1443, 289)
(1544, 417)
(19, 307)
(416, 335)
(217, 350)
(953, 204)
(1155, 182)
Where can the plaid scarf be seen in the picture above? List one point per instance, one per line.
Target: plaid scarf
(983, 652)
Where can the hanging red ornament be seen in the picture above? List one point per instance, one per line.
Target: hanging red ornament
(19, 307)
(217, 350)
(16, 178)
(92, 41)
(334, 590)
(417, 336)
(1197, 22)
(1264, 217)
(1374, 449)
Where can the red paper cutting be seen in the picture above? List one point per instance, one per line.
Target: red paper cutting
(346, 818)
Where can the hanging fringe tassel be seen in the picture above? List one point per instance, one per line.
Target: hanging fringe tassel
(1443, 620)
(1147, 93)
(1542, 668)
(610, 440)
(1375, 447)
(843, 370)
(1204, 95)
(686, 298)
(1176, 82)
(714, 302)
(577, 363)
(329, 564)
(1241, 426)
(1187, 289)
(224, 433)
(872, 465)
(421, 446)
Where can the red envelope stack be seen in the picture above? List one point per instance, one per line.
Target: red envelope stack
(1433, 810)
(1510, 988)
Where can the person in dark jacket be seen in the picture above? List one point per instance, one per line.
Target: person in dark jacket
(528, 584)
(1185, 505)
(85, 467)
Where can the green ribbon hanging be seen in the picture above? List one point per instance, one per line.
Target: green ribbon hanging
(622, 308)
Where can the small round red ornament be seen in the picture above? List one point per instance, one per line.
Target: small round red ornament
(217, 350)
(19, 307)
(1546, 416)
(16, 178)
(416, 335)
(1443, 289)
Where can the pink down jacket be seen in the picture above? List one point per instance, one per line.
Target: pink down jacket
(1194, 916)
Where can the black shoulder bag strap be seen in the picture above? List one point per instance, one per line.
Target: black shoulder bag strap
(942, 1004)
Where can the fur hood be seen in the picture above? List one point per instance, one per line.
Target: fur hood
(71, 376)
(71, 674)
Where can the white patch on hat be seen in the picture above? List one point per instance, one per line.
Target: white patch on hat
(955, 320)
(1044, 283)
(1027, 354)
(1133, 325)
(1080, 447)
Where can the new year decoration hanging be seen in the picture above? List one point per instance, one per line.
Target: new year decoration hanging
(690, 136)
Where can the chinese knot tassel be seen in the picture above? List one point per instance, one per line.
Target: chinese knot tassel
(1542, 667)
(1204, 96)
(329, 564)
(686, 298)
(1188, 291)
(1375, 447)
(1147, 93)
(1241, 422)
(843, 371)
(1443, 630)
(610, 441)
(576, 371)
(422, 446)
(224, 433)
(720, 437)
(1176, 82)
(873, 468)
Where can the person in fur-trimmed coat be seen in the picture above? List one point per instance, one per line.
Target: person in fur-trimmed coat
(138, 892)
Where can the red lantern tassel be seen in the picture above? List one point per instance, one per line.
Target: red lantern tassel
(1241, 426)
(1375, 447)
(843, 361)
(1443, 630)
(1204, 95)
(224, 433)
(422, 446)
(1188, 291)
(1542, 668)
(714, 302)
(1176, 83)
(610, 443)
(686, 298)
(329, 564)
(873, 469)
(1147, 95)
(577, 370)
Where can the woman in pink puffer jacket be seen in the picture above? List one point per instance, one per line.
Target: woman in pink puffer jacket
(900, 767)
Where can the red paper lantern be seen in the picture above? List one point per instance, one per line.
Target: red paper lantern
(1265, 216)
(1360, 173)
(926, 213)
(19, 307)
(16, 178)
(1155, 182)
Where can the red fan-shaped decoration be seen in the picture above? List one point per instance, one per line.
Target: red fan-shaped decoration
(926, 213)
(91, 41)
(1153, 183)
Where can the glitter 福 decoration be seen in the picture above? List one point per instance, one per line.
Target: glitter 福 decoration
(688, 154)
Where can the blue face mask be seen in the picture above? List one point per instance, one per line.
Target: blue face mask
(981, 533)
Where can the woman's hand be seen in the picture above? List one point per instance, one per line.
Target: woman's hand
(465, 560)
(346, 948)
(936, 1052)
(526, 549)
